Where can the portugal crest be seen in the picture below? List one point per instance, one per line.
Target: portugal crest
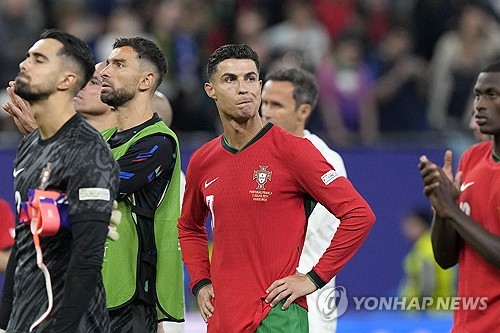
(262, 176)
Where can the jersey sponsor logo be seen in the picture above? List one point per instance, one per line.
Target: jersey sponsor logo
(16, 172)
(207, 184)
(330, 176)
(463, 187)
(262, 176)
(94, 193)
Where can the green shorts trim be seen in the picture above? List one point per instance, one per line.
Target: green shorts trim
(292, 320)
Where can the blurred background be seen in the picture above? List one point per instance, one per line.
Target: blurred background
(395, 82)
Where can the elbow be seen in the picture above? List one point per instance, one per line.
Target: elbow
(444, 260)
(371, 218)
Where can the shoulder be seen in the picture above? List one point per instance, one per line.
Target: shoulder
(478, 149)
(320, 144)
(476, 153)
(290, 146)
(207, 150)
(329, 154)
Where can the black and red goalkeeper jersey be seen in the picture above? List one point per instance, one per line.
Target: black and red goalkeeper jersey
(83, 168)
(259, 201)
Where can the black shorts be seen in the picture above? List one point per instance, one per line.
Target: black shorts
(137, 317)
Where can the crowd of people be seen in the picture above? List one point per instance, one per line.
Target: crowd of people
(372, 59)
(100, 275)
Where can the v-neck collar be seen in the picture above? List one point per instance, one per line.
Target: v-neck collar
(257, 136)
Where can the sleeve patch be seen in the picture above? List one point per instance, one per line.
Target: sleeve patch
(330, 176)
(94, 193)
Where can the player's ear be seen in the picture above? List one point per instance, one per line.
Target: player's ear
(304, 111)
(147, 81)
(210, 91)
(68, 80)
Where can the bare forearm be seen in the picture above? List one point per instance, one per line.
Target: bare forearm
(480, 239)
(445, 242)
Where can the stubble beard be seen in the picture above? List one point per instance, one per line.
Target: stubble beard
(23, 90)
(117, 98)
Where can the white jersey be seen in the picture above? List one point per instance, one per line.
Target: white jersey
(320, 230)
(322, 224)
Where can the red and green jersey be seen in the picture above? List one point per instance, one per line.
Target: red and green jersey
(259, 198)
(480, 199)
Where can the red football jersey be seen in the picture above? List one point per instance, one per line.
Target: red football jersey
(480, 199)
(6, 225)
(258, 199)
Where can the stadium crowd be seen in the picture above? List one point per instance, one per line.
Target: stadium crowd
(389, 71)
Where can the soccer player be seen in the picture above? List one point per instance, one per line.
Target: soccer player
(142, 271)
(258, 181)
(289, 96)
(466, 226)
(87, 103)
(65, 183)
(103, 117)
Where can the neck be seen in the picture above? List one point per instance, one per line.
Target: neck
(496, 146)
(51, 114)
(102, 121)
(133, 114)
(299, 131)
(238, 135)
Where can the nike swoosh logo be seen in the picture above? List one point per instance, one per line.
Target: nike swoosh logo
(207, 184)
(463, 187)
(16, 172)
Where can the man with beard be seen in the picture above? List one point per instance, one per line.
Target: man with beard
(103, 117)
(87, 103)
(142, 271)
(65, 182)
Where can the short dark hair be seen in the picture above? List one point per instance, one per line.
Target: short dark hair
(493, 67)
(146, 50)
(75, 49)
(231, 51)
(305, 88)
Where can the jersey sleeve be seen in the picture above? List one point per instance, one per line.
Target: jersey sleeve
(336, 193)
(192, 232)
(94, 184)
(145, 161)
(91, 190)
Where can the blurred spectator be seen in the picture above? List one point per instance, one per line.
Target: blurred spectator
(372, 20)
(123, 22)
(20, 24)
(335, 15)
(400, 91)
(249, 27)
(187, 44)
(347, 94)
(431, 18)
(459, 55)
(300, 34)
(423, 276)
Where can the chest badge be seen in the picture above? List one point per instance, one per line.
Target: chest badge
(261, 176)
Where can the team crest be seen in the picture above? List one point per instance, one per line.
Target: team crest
(262, 176)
